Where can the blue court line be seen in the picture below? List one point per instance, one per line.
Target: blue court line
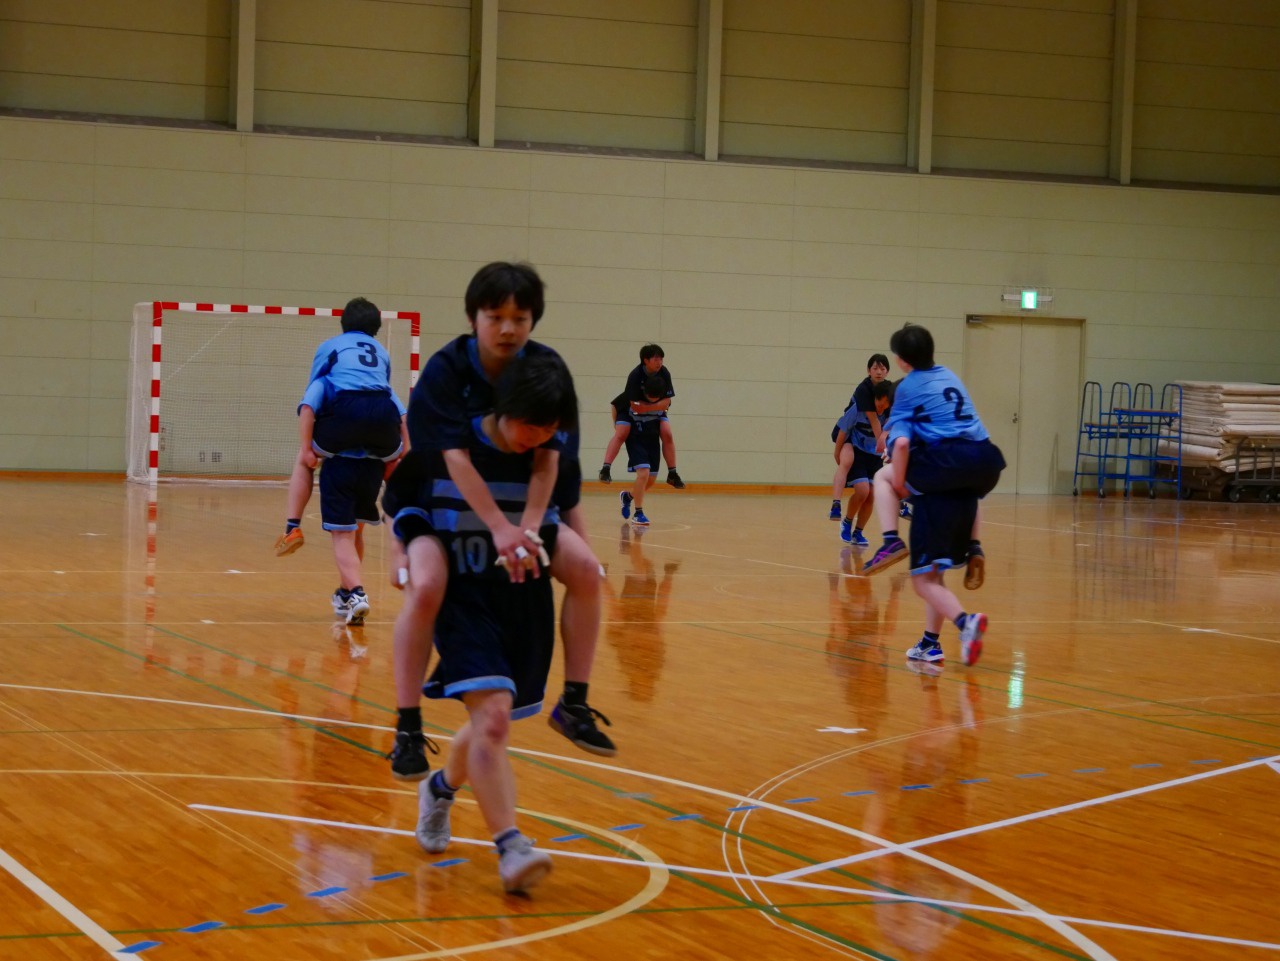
(326, 892)
(569, 837)
(857, 793)
(389, 877)
(266, 908)
(1209, 761)
(1039, 774)
(625, 827)
(140, 946)
(1088, 770)
(449, 862)
(1138, 766)
(685, 817)
(975, 780)
(800, 800)
(637, 795)
(745, 807)
(916, 787)
(202, 926)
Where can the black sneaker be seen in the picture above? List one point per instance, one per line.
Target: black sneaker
(577, 722)
(409, 757)
(673, 478)
(605, 475)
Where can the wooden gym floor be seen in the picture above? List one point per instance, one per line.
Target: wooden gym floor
(190, 749)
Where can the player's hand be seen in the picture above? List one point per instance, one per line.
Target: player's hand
(880, 445)
(901, 491)
(398, 564)
(309, 458)
(391, 466)
(517, 552)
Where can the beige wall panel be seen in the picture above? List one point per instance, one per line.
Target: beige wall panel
(492, 206)
(854, 146)
(106, 414)
(113, 97)
(1222, 245)
(1007, 118)
(717, 219)
(1178, 166)
(628, 42)
(720, 362)
(440, 284)
(57, 337)
(981, 196)
(1203, 41)
(161, 16)
(845, 225)
(1188, 276)
(827, 376)
(953, 301)
(370, 25)
(825, 58)
(862, 191)
(733, 466)
(1108, 204)
(277, 156)
(167, 226)
(365, 114)
(463, 242)
(721, 325)
(788, 103)
(109, 379)
(315, 235)
(740, 291)
(45, 377)
(315, 196)
(1207, 209)
(765, 399)
(109, 339)
(974, 232)
(852, 329)
(888, 20)
(39, 180)
(461, 167)
(1242, 312)
(615, 332)
(604, 212)
(854, 260)
(45, 220)
(149, 147)
(32, 298)
(593, 248)
(93, 54)
(1210, 132)
(1020, 26)
(52, 416)
(169, 188)
(732, 255)
(727, 434)
(341, 274)
(48, 142)
(1097, 272)
(20, 451)
(1200, 87)
(649, 11)
(593, 129)
(816, 295)
(384, 75)
(603, 285)
(1039, 75)
(47, 259)
(951, 266)
(162, 267)
(1068, 160)
(1083, 237)
(730, 182)
(597, 175)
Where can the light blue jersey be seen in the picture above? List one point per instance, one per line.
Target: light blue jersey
(932, 405)
(350, 361)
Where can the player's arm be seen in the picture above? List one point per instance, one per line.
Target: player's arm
(898, 466)
(306, 431)
(507, 537)
(643, 407)
(546, 464)
(874, 420)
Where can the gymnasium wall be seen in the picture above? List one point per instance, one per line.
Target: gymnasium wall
(767, 281)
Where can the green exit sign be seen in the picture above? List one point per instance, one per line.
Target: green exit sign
(1030, 299)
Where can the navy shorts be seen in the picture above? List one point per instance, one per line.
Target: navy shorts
(864, 467)
(954, 467)
(493, 635)
(349, 492)
(568, 490)
(644, 447)
(941, 527)
(365, 420)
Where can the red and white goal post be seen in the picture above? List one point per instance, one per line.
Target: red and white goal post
(219, 401)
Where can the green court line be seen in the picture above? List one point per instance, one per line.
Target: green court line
(140, 730)
(552, 768)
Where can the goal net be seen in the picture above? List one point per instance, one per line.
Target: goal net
(215, 387)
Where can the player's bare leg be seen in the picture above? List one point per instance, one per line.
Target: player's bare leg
(620, 432)
(669, 454)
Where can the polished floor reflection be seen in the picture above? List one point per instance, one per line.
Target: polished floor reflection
(190, 748)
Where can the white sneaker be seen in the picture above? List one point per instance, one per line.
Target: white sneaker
(521, 865)
(353, 609)
(433, 819)
(975, 625)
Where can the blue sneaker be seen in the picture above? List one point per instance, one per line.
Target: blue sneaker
(905, 510)
(927, 651)
(835, 511)
(890, 553)
(640, 520)
(858, 539)
(846, 530)
(625, 497)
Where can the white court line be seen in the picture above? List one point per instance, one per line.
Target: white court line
(1020, 819)
(1215, 630)
(803, 885)
(64, 907)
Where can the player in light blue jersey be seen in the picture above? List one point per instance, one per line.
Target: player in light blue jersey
(942, 455)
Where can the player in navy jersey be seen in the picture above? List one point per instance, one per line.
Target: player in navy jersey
(503, 303)
(494, 633)
(854, 430)
(651, 363)
(861, 411)
(942, 455)
(347, 406)
(643, 444)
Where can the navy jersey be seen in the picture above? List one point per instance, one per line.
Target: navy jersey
(636, 379)
(350, 361)
(931, 405)
(452, 391)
